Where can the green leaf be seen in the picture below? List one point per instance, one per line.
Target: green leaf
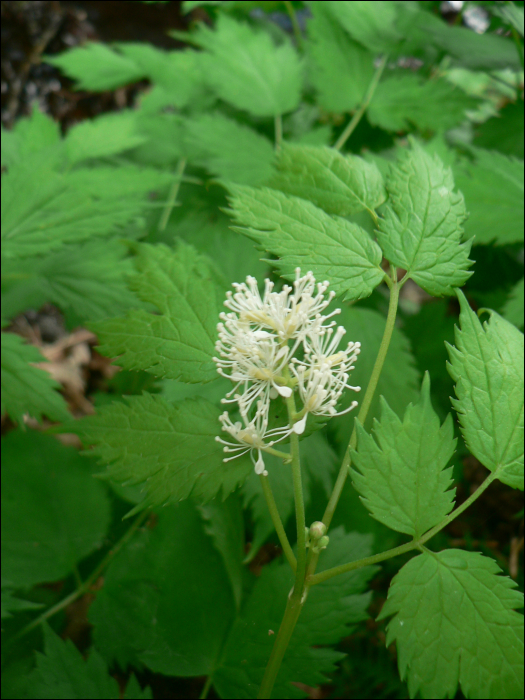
(229, 149)
(28, 136)
(342, 185)
(372, 26)
(12, 603)
(25, 388)
(487, 366)
(504, 131)
(84, 281)
(166, 599)
(513, 309)
(97, 67)
(224, 524)
(511, 14)
(493, 189)
(170, 449)
(305, 236)
(53, 512)
(331, 607)
(399, 381)
(340, 68)
(455, 622)
(43, 209)
(404, 99)
(421, 229)
(402, 477)
(178, 344)
(104, 136)
(63, 674)
(245, 68)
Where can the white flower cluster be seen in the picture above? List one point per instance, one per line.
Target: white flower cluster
(258, 340)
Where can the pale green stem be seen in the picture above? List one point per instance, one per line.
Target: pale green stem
(172, 198)
(277, 522)
(278, 132)
(84, 588)
(363, 107)
(415, 544)
(295, 24)
(365, 404)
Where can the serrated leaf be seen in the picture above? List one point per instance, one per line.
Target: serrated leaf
(493, 189)
(421, 229)
(12, 603)
(180, 342)
(42, 209)
(304, 236)
(166, 600)
(29, 135)
(104, 136)
(513, 309)
(402, 477)
(342, 185)
(487, 366)
(229, 149)
(324, 620)
(53, 512)
(455, 622)
(62, 673)
(170, 449)
(403, 99)
(372, 26)
(84, 281)
(97, 67)
(340, 68)
(245, 68)
(28, 389)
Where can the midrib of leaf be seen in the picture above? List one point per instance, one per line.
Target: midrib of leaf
(361, 201)
(254, 70)
(425, 217)
(467, 593)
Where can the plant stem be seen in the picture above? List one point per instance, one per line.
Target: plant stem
(415, 544)
(206, 688)
(295, 24)
(84, 588)
(278, 132)
(364, 105)
(277, 522)
(291, 615)
(299, 503)
(172, 198)
(365, 405)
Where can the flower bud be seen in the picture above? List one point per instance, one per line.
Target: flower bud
(323, 542)
(317, 530)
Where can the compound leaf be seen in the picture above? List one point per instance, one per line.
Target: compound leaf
(487, 366)
(404, 99)
(53, 512)
(402, 477)
(170, 449)
(153, 610)
(421, 229)
(28, 389)
(455, 621)
(245, 68)
(340, 68)
(324, 620)
(305, 236)
(493, 189)
(338, 184)
(179, 343)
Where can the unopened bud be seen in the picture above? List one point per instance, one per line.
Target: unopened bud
(323, 542)
(317, 530)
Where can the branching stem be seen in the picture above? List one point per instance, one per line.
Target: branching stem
(172, 197)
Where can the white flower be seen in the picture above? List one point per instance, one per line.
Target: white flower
(254, 360)
(252, 436)
(289, 313)
(320, 389)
